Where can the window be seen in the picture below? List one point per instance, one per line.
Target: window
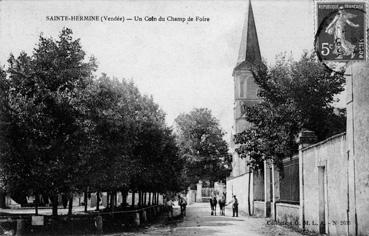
(242, 88)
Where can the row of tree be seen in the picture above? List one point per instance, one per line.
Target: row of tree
(294, 95)
(65, 131)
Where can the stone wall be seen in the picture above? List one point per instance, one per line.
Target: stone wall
(325, 186)
(287, 214)
(259, 208)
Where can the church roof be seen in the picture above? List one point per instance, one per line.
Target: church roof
(249, 52)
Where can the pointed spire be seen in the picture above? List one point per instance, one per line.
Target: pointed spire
(249, 47)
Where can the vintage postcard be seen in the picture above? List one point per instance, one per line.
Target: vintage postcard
(193, 117)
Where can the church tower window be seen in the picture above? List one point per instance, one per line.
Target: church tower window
(242, 88)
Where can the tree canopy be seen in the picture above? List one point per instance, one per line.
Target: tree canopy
(294, 95)
(63, 129)
(202, 147)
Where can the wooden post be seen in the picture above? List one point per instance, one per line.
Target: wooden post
(137, 219)
(99, 224)
(144, 216)
(20, 227)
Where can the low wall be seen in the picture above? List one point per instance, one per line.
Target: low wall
(82, 224)
(259, 208)
(288, 214)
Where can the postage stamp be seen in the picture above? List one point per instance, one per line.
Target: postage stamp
(341, 31)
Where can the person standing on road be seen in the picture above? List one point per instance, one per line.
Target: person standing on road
(222, 203)
(170, 208)
(213, 205)
(234, 206)
(182, 204)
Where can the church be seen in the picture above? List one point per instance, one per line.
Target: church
(247, 186)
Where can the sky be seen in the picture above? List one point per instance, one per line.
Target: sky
(183, 65)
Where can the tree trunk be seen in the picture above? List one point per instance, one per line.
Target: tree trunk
(97, 201)
(133, 198)
(112, 200)
(54, 202)
(45, 198)
(124, 197)
(37, 202)
(70, 206)
(85, 200)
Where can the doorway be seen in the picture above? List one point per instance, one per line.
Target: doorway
(322, 199)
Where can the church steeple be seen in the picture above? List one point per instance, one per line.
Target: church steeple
(245, 89)
(249, 52)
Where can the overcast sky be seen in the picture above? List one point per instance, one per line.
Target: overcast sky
(182, 65)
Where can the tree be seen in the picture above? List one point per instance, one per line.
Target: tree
(42, 131)
(202, 147)
(130, 139)
(295, 95)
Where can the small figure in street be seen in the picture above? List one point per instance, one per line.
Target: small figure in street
(182, 204)
(222, 203)
(235, 206)
(213, 205)
(170, 208)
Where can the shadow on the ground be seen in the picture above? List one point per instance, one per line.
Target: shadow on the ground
(221, 218)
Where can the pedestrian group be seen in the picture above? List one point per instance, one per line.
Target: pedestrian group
(169, 203)
(221, 201)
